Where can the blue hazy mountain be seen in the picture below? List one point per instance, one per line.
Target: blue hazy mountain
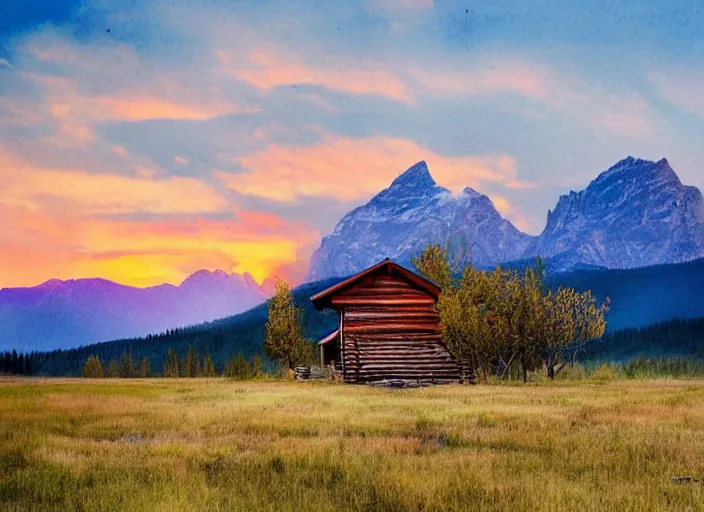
(64, 314)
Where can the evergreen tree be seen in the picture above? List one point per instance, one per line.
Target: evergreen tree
(238, 368)
(171, 366)
(191, 364)
(113, 370)
(284, 341)
(257, 366)
(93, 369)
(144, 368)
(208, 366)
(127, 368)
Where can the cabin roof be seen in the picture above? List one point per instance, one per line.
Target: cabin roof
(330, 337)
(321, 300)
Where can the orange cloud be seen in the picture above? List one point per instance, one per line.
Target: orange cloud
(155, 96)
(511, 212)
(105, 193)
(36, 246)
(267, 68)
(352, 169)
(143, 108)
(76, 109)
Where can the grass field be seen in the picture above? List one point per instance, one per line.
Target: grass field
(270, 445)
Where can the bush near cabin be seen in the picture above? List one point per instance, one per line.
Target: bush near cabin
(497, 319)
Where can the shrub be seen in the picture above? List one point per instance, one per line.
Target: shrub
(604, 373)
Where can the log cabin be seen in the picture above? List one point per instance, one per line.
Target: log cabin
(388, 328)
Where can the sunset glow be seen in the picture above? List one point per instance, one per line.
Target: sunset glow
(141, 143)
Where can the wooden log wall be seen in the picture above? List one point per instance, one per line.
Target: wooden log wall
(390, 331)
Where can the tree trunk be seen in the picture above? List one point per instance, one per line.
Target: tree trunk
(525, 372)
(506, 366)
(549, 368)
(551, 372)
(559, 369)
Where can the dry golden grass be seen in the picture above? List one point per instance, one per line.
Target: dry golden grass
(221, 445)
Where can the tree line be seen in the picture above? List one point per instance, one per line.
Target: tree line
(498, 320)
(284, 343)
(190, 365)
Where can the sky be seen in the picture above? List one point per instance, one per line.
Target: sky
(142, 140)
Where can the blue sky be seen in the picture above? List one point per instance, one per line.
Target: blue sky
(141, 141)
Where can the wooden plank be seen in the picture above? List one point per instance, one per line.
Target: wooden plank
(380, 301)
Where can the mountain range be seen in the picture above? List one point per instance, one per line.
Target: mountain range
(635, 214)
(640, 297)
(65, 314)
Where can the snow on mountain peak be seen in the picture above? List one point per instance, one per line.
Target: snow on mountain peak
(636, 213)
(401, 220)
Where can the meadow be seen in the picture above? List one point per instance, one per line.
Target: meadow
(597, 443)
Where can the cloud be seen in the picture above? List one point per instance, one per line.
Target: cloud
(104, 194)
(352, 169)
(511, 211)
(295, 108)
(270, 66)
(502, 75)
(36, 246)
(73, 88)
(681, 88)
(395, 6)
(547, 87)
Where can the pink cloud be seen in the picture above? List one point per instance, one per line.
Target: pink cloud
(270, 66)
(501, 76)
(681, 88)
(352, 169)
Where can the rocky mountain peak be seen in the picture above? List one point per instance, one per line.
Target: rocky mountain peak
(401, 220)
(638, 170)
(417, 175)
(470, 192)
(636, 213)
